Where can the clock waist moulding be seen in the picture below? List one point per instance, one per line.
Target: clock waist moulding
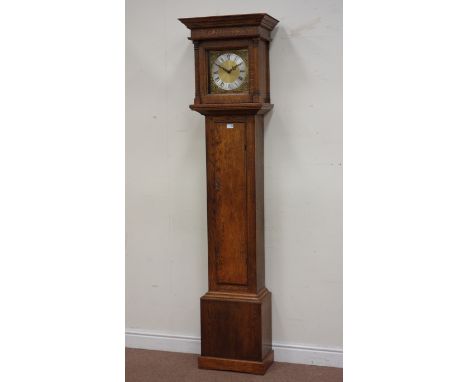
(232, 91)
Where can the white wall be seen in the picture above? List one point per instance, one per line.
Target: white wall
(166, 240)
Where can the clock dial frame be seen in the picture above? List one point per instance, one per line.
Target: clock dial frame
(255, 88)
(222, 80)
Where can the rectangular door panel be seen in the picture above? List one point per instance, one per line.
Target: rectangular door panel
(227, 157)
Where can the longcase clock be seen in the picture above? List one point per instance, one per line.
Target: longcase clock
(232, 91)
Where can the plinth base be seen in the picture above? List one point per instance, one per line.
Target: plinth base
(242, 366)
(236, 331)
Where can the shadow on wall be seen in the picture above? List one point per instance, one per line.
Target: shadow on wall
(288, 70)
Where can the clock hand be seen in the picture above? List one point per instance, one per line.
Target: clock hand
(230, 70)
(226, 70)
(222, 67)
(235, 66)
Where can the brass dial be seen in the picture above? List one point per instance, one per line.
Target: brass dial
(229, 71)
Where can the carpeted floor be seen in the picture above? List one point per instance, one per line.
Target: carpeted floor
(159, 366)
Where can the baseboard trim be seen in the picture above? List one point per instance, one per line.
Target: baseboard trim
(308, 355)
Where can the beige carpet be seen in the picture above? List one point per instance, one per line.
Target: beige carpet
(156, 366)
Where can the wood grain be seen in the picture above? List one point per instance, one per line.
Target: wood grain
(227, 156)
(242, 366)
(251, 19)
(227, 33)
(236, 328)
(242, 321)
(233, 109)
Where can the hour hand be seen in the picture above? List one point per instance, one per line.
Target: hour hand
(222, 67)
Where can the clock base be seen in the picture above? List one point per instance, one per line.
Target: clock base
(242, 366)
(236, 331)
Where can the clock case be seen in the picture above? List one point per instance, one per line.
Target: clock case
(236, 330)
(251, 32)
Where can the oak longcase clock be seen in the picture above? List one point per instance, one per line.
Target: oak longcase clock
(232, 91)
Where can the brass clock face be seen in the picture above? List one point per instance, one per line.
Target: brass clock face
(229, 71)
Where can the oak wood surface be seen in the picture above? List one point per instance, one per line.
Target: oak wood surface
(243, 20)
(233, 109)
(251, 32)
(243, 366)
(236, 330)
(228, 200)
(236, 327)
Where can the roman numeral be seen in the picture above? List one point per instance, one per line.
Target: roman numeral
(241, 78)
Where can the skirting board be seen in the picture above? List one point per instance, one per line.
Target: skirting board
(145, 339)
